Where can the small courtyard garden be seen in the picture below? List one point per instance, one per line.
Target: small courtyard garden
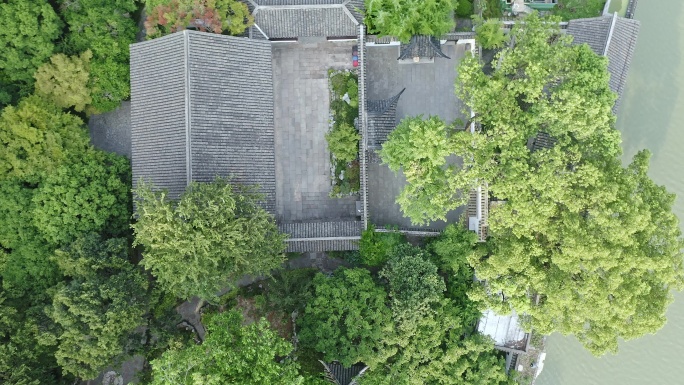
(343, 137)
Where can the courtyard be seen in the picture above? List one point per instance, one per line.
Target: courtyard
(429, 91)
(300, 82)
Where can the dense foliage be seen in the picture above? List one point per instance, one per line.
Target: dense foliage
(215, 234)
(578, 9)
(64, 80)
(346, 318)
(420, 148)
(215, 16)
(376, 247)
(104, 299)
(582, 245)
(230, 354)
(90, 195)
(36, 138)
(464, 8)
(343, 137)
(415, 331)
(28, 36)
(106, 28)
(489, 33)
(404, 19)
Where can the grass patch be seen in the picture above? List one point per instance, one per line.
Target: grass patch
(578, 9)
(491, 9)
(343, 137)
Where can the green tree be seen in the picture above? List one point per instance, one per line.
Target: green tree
(23, 361)
(404, 19)
(215, 234)
(346, 318)
(98, 309)
(432, 340)
(91, 194)
(602, 271)
(64, 81)
(36, 137)
(489, 33)
(582, 245)
(420, 148)
(343, 142)
(29, 30)
(376, 247)
(106, 28)
(25, 266)
(230, 354)
(414, 285)
(214, 16)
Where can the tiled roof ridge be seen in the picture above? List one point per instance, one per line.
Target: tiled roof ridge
(188, 141)
(610, 33)
(587, 19)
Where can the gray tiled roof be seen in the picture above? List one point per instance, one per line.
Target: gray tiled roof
(613, 37)
(158, 134)
(593, 31)
(322, 229)
(322, 236)
(422, 46)
(319, 246)
(345, 376)
(220, 108)
(289, 19)
(542, 141)
(382, 116)
(283, 22)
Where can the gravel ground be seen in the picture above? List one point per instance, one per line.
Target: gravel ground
(111, 131)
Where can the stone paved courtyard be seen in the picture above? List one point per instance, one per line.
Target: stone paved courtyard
(301, 121)
(429, 91)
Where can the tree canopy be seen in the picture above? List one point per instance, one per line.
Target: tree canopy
(215, 16)
(232, 353)
(215, 234)
(99, 307)
(91, 194)
(64, 80)
(30, 29)
(404, 19)
(106, 28)
(346, 318)
(36, 137)
(578, 232)
(419, 148)
(431, 340)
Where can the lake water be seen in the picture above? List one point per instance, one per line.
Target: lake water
(651, 116)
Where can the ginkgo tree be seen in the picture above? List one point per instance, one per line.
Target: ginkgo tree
(212, 236)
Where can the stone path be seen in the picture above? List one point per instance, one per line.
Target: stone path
(302, 106)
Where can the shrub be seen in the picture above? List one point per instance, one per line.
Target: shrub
(343, 142)
(414, 284)
(489, 34)
(64, 80)
(339, 83)
(406, 18)
(353, 92)
(376, 248)
(346, 318)
(214, 16)
(464, 8)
